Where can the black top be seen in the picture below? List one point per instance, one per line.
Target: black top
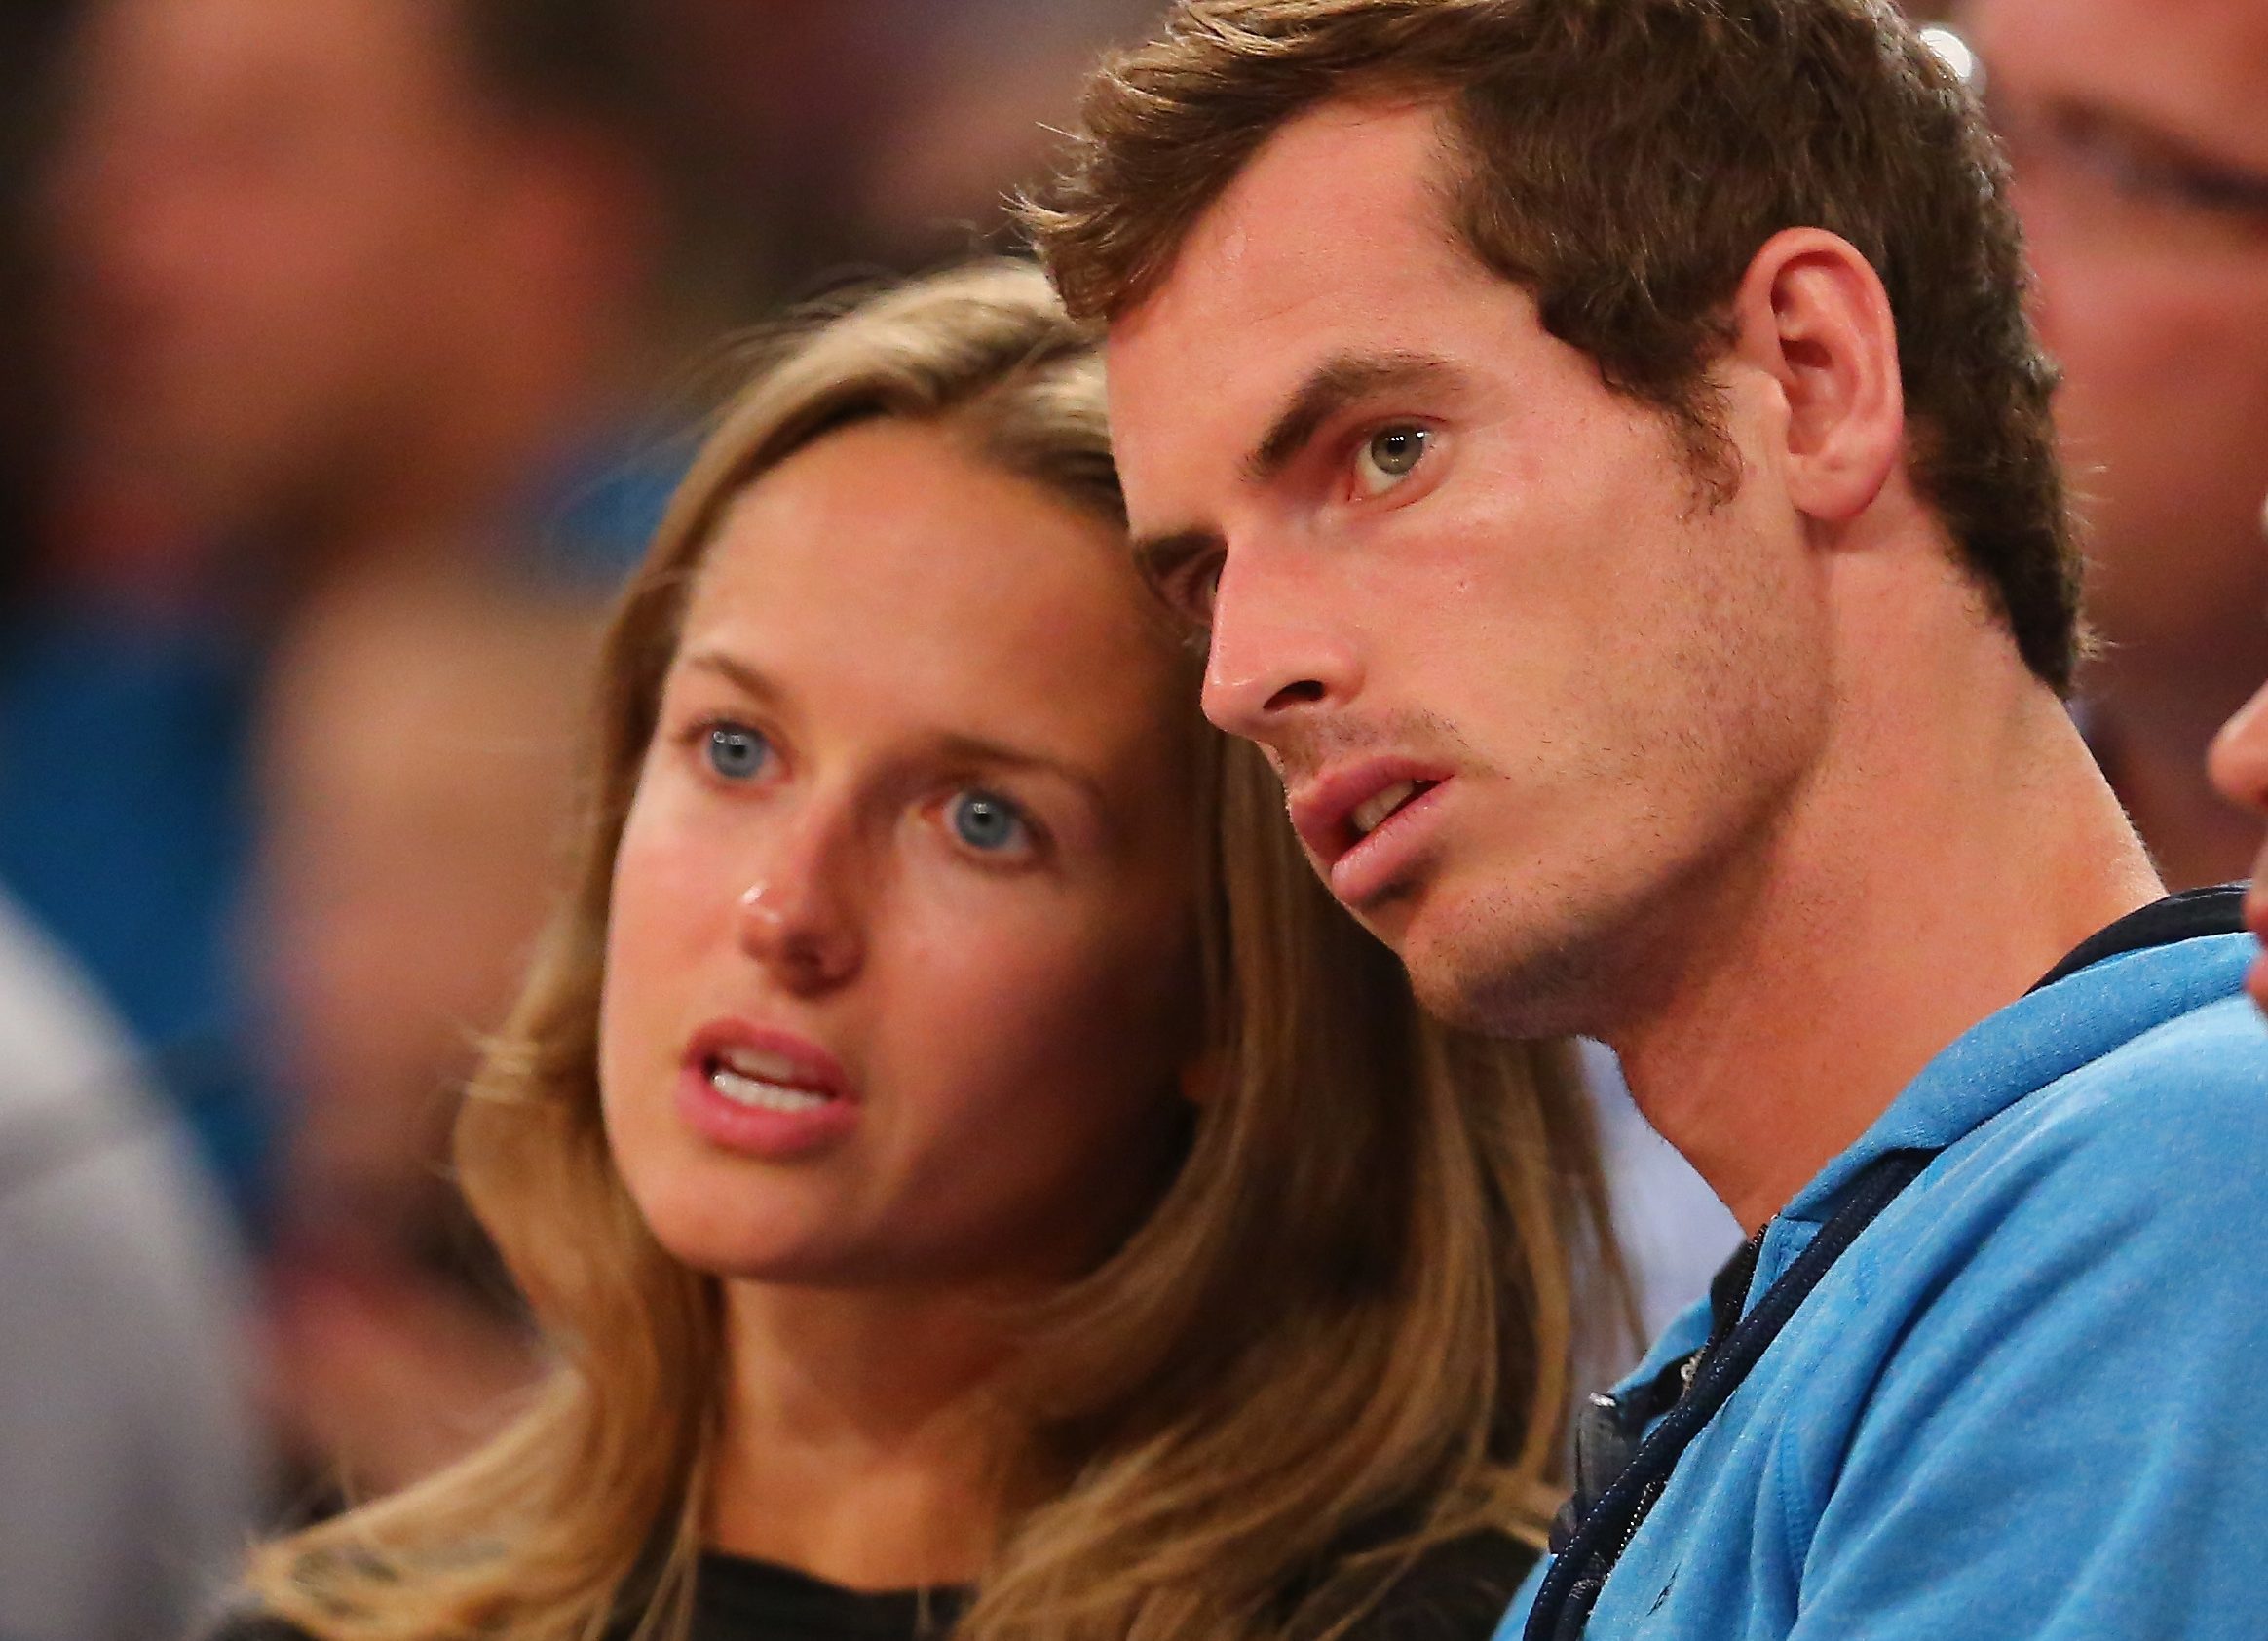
(1456, 1593)
(2216, 911)
(737, 1599)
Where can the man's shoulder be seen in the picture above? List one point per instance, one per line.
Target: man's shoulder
(2188, 1097)
(2223, 1038)
(2116, 1201)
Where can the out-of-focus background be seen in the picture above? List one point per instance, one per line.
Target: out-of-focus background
(346, 353)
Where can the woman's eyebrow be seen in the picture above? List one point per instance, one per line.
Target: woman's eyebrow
(747, 679)
(994, 754)
(949, 747)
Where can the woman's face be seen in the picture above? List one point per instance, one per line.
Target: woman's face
(898, 959)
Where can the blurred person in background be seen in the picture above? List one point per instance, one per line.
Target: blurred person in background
(987, 87)
(414, 753)
(2240, 771)
(129, 1461)
(883, 133)
(341, 283)
(2137, 135)
(361, 280)
(129, 1468)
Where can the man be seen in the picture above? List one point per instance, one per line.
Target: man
(2137, 138)
(1608, 451)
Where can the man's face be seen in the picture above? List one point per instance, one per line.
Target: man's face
(272, 216)
(2137, 133)
(1460, 581)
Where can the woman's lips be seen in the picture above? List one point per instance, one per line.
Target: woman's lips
(764, 1092)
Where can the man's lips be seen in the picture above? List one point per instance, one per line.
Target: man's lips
(1338, 807)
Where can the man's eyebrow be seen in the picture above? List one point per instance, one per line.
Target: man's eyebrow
(1330, 388)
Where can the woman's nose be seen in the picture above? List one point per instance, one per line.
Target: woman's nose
(800, 916)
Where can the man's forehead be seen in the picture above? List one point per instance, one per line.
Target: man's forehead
(1335, 240)
(1322, 197)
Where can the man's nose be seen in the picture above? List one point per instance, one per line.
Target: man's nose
(1279, 655)
(803, 916)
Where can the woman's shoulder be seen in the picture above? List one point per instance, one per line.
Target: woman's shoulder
(1457, 1590)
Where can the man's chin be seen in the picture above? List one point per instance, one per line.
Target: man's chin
(1509, 977)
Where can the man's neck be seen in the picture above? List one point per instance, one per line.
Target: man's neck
(2151, 743)
(1955, 843)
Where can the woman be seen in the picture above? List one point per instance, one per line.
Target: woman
(955, 1147)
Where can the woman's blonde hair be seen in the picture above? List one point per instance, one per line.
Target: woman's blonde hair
(1341, 1334)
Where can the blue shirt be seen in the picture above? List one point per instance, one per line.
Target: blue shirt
(2028, 1400)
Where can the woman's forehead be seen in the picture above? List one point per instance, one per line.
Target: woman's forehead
(885, 568)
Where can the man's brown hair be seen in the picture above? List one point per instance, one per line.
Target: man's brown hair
(1623, 160)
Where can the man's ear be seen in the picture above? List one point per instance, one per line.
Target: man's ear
(1812, 316)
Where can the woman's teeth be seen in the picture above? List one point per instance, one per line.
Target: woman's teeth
(1369, 814)
(767, 1082)
(762, 1095)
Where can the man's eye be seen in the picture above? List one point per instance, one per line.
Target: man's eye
(736, 751)
(1387, 457)
(986, 822)
(1194, 589)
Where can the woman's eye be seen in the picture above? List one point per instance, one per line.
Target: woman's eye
(986, 822)
(736, 751)
(1387, 457)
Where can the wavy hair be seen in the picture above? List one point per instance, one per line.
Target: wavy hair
(1342, 1333)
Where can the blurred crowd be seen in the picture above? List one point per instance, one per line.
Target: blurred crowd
(347, 354)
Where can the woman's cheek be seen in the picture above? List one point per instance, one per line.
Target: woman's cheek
(664, 938)
(1001, 971)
